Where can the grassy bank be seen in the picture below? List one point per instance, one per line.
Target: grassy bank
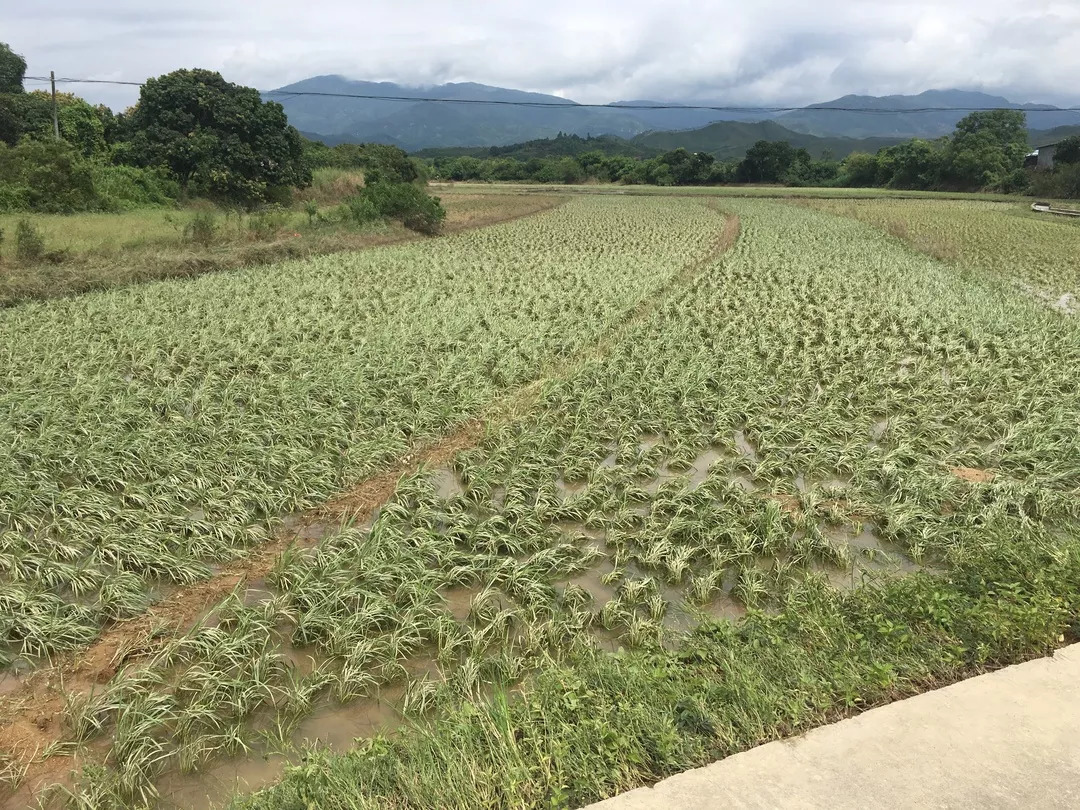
(82, 252)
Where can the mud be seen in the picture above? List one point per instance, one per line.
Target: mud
(871, 554)
(744, 446)
(459, 601)
(973, 475)
(448, 484)
(335, 727)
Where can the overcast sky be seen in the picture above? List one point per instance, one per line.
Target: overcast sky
(746, 52)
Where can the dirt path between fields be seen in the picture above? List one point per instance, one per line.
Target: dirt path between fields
(31, 717)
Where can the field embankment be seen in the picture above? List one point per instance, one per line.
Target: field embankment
(84, 252)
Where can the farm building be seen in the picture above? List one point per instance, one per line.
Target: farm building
(1041, 158)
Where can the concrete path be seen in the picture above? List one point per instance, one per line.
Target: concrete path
(1010, 739)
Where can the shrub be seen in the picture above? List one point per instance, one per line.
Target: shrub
(265, 224)
(409, 204)
(201, 229)
(1062, 182)
(29, 242)
(124, 188)
(47, 176)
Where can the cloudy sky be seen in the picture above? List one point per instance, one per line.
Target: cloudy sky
(757, 52)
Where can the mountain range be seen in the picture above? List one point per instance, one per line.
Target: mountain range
(725, 140)
(402, 116)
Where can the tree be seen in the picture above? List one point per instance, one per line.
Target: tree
(915, 164)
(1068, 150)
(769, 161)
(987, 148)
(218, 139)
(687, 168)
(12, 70)
(81, 125)
(47, 176)
(860, 169)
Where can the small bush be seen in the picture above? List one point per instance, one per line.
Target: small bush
(13, 198)
(360, 210)
(266, 224)
(125, 188)
(409, 204)
(202, 229)
(29, 242)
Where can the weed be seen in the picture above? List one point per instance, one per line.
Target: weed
(29, 242)
(201, 229)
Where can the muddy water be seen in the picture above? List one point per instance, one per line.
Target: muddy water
(459, 601)
(744, 445)
(871, 555)
(448, 484)
(333, 726)
(567, 488)
(696, 474)
(682, 617)
(576, 529)
(592, 581)
(878, 431)
(649, 441)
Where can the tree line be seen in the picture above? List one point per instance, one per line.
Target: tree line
(192, 134)
(986, 152)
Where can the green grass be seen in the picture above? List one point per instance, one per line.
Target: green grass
(100, 233)
(597, 724)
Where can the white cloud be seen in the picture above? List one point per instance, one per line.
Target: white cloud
(771, 51)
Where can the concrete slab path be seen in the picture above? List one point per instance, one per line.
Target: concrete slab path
(1010, 739)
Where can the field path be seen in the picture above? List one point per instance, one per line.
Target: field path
(31, 716)
(1010, 739)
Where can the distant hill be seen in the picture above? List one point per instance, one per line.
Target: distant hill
(731, 139)
(414, 124)
(870, 121)
(1042, 137)
(417, 124)
(559, 146)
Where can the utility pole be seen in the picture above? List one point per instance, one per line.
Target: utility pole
(55, 116)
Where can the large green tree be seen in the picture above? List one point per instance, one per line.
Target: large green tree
(1068, 150)
(988, 148)
(81, 125)
(219, 139)
(769, 161)
(12, 70)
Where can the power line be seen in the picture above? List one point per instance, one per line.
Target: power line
(574, 105)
